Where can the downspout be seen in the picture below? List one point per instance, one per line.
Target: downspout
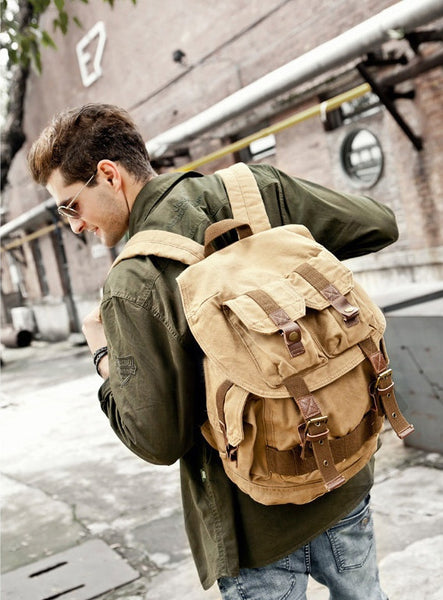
(388, 24)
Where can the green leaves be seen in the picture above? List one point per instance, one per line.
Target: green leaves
(47, 40)
(21, 36)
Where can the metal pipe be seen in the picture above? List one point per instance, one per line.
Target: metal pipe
(313, 111)
(24, 220)
(12, 338)
(390, 23)
(28, 238)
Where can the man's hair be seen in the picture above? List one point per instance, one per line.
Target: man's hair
(77, 139)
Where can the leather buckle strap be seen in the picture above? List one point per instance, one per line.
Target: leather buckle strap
(386, 396)
(290, 330)
(291, 333)
(317, 421)
(349, 312)
(387, 374)
(319, 440)
(291, 463)
(383, 389)
(320, 434)
(307, 436)
(322, 452)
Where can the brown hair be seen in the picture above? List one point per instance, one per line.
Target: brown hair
(77, 139)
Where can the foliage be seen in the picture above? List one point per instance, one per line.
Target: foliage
(23, 39)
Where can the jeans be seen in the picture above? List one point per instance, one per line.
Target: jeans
(342, 558)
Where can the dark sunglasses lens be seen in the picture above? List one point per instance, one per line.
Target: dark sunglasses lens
(66, 211)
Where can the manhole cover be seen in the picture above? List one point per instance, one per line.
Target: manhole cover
(80, 573)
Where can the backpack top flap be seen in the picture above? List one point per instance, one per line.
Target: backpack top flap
(240, 335)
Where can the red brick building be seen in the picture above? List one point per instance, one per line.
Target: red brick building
(167, 62)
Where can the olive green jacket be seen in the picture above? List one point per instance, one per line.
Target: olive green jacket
(154, 397)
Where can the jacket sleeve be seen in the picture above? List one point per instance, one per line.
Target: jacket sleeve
(348, 225)
(151, 395)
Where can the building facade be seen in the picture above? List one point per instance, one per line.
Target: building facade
(168, 62)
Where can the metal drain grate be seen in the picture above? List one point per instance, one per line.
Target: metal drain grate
(80, 573)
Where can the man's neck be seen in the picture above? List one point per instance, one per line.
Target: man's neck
(133, 188)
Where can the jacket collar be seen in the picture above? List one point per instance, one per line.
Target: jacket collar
(150, 195)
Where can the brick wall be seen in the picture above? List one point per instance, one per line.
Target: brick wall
(227, 46)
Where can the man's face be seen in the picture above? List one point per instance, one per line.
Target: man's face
(102, 209)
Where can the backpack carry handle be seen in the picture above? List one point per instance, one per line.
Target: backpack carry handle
(221, 227)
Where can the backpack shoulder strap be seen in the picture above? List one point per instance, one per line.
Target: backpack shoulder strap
(165, 244)
(244, 196)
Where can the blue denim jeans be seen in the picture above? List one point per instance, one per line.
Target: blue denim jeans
(342, 558)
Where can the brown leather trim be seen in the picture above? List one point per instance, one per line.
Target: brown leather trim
(290, 462)
(220, 228)
(289, 329)
(269, 305)
(348, 311)
(384, 389)
(220, 403)
(315, 432)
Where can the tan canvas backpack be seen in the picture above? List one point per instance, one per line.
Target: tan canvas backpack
(296, 371)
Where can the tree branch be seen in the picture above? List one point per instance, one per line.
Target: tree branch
(12, 135)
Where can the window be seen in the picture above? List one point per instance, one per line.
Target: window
(262, 147)
(351, 111)
(258, 149)
(362, 157)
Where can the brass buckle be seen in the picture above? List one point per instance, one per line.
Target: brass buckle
(317, 421)
(383, 375)
(315, 437)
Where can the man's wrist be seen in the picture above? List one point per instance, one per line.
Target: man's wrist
(98, 355)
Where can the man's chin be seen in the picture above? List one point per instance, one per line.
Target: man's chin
(109, 241)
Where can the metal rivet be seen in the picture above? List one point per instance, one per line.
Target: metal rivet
(394, 415)
(325, 462)
(294, 336)
(321, 442)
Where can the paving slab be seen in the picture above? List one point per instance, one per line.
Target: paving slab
(80, 573)
(34, 524)
(415, 572)
(67, 479)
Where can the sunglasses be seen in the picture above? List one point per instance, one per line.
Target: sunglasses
(68, 211)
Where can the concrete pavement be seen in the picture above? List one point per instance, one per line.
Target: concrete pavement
(66, 479)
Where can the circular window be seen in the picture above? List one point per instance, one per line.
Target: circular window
(362, 157)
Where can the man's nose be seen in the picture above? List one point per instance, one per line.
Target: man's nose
(77, 225)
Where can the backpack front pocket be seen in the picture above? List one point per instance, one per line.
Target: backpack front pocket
(269, 322)
(338, 312)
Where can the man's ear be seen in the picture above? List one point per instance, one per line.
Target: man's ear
(109, 171)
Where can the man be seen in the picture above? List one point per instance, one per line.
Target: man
(94, 163)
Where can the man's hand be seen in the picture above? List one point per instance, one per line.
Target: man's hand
(95, 336)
